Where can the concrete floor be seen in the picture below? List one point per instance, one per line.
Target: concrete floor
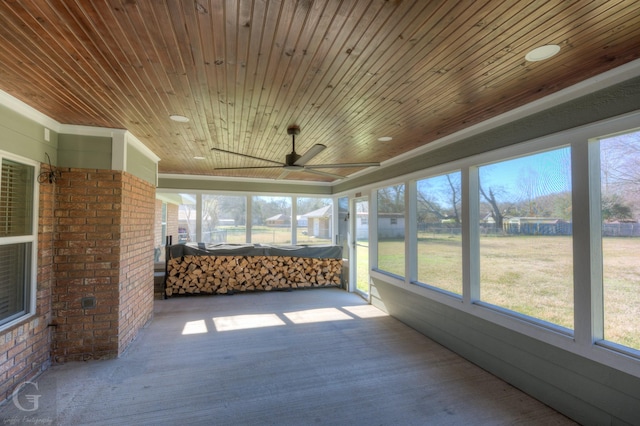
(319, 356)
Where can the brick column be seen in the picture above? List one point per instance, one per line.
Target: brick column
(92, 218)
(136, 258)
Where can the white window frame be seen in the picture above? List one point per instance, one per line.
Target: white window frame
(586, 339)
(332, 223)
(373, 230)
(412, 194)
(32, 238)
(248, 207)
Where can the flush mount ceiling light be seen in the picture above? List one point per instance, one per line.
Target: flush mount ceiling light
(179, 118)
(385, 138)
(543, 52)
(198, 158)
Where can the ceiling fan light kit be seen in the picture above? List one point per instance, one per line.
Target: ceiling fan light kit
(295, 162)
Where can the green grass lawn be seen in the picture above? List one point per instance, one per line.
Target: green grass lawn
(270, 235)
(532, 275)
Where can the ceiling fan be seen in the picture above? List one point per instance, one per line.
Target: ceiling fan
(295, 162)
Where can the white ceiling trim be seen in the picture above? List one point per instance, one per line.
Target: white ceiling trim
(242, 179)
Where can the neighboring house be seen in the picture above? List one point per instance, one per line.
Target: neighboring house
(536, 226)
(488, 218)
(318, 222)
(390, 225)
(279, 220)
(362, 225)
(302, 221)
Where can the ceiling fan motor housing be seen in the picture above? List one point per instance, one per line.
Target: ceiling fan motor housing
(293, 130)
(291, 159)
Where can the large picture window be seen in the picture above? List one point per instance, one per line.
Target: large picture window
(391, 229)
(17, 239)
(620, 209)
(271, 220)
(526, 262)
(223, 219)
(314, 220)
(439, 237)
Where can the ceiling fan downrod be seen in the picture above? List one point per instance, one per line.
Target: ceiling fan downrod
(293, 156)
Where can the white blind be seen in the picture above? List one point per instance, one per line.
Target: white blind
(16, 199)
(16, 220)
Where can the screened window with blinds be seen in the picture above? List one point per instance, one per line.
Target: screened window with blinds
(16, 238)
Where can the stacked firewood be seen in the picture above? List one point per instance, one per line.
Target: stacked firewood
(230, 274)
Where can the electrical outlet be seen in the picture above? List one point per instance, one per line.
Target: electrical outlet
(88, 302)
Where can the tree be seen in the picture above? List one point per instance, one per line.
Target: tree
(309, 204)
(428, 209)
(232, 207)
(496, 213)
(613, 209)
(439, 199)
(620, 170)
(455, 196)
(266, 207)
(391, 199)
(209, 214)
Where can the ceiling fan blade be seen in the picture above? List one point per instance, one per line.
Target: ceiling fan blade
(343, 165)
(245, 168)
(318, 172)
(245, 155)
(283, 175)
(307, 156)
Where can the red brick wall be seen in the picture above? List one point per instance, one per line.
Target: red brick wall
(25, 348)
(103, 249)
(95, 238)
(136, 257)
(87, 253)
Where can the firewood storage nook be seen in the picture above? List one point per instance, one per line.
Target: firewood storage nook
(231, 268)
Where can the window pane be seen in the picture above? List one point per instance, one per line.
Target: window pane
(439, 239)
(178, 219)
(526, 257)
(187, 215)
(315, 219)
(224, 219)
(620, 200)
(361, 240)
(16, 199)
(163, 224)
(271, 220)
(391, 229)
(343, 226)
(15, 271)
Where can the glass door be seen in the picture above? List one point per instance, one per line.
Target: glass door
(342, 238)
(360, 246)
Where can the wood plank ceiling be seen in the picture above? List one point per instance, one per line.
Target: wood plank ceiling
(347, 72)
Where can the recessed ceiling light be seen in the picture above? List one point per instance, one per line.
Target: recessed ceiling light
(543, 52)
(179, 118)
(385, 138)
(198, 158)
